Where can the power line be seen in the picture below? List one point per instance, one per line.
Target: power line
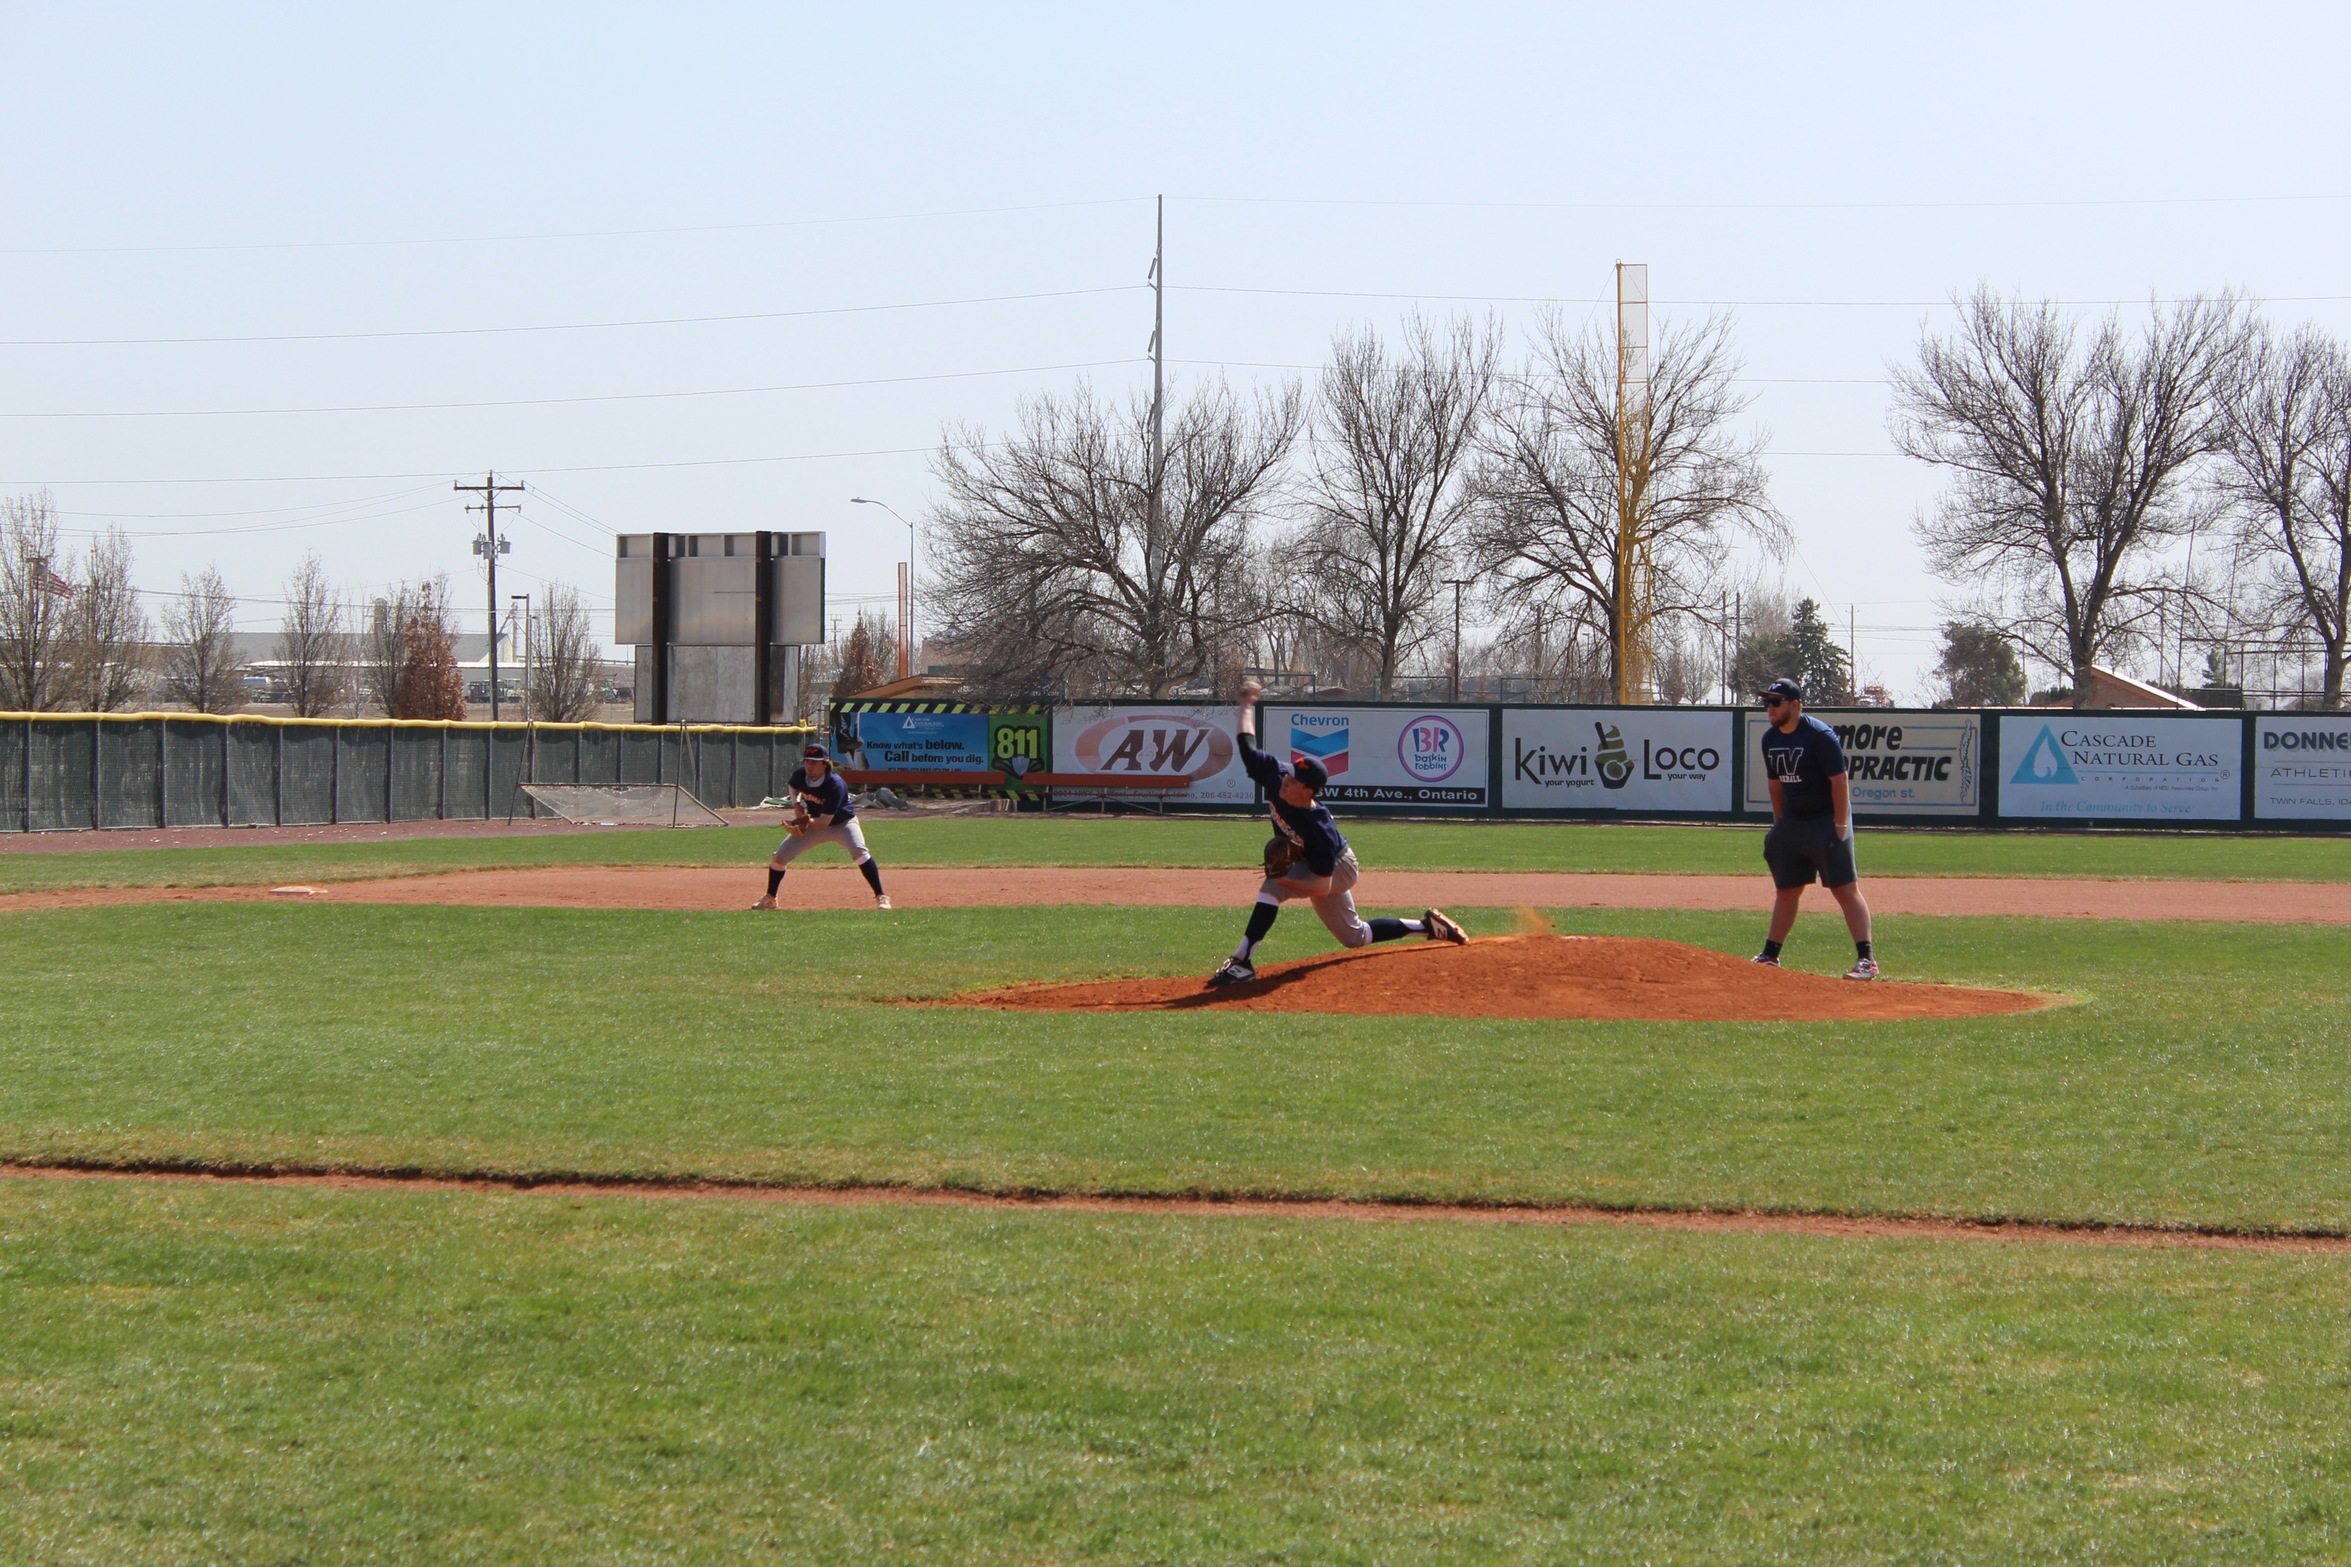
(2022, 203)
(1741, 304)
(563, 326)
(548, 402)
(513, 239)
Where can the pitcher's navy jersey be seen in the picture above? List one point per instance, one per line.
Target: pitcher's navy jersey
(1804, 761)
(1312, 830)
(830, 798)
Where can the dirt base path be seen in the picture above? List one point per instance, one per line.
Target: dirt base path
(1843, 1226)
(1614, 978)
(838, 887)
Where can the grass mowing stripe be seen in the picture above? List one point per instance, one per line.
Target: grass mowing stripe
(2197, 1084)
(899, 840)
(290, 1376)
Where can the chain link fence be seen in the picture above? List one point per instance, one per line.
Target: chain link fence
(63, 772)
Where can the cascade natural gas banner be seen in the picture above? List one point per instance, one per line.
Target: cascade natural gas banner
(1615, 759)
(1387, 755)
(2302, 767)
(1898, 763)
(2120, 764)
(1183, 746)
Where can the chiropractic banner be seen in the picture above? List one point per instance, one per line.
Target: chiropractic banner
(1430, 757)
(2120, 763)
(2302, 767)
(1615, 759)
(1900, 762)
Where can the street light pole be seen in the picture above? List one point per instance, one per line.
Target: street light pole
(906, 615)
(1457, 584)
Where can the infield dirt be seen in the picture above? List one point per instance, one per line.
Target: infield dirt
(1531, 976)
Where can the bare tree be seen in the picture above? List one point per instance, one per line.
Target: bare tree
(103, 642)
(2072, 461)
(564, 664)
(2289, 481)
(200, 667)
(314, 643)
(1393, 439)
(1557, 477)
(35, 599)
(1068, 563)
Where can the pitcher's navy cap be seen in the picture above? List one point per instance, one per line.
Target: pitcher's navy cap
(1785, 687)
(1310, 772)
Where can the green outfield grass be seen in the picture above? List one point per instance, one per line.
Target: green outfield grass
(1140, 841)
(277, 1376)
(2198, 1081)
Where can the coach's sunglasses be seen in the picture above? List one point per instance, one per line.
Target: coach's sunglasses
(1775, 701)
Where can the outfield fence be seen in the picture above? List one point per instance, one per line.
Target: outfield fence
(69, 771)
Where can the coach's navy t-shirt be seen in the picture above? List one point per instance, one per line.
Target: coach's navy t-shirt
(1312, 830)
(1804, 761)
(830, 798)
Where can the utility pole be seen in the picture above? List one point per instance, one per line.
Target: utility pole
(489, 545)
(1457, 584)
(1158, 278)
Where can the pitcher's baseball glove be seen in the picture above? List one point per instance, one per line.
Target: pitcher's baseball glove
(796, 823)
(1280, 855)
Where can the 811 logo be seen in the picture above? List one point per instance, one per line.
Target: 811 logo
(1431, 748)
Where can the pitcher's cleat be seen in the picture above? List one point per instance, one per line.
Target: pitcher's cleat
(765, 903)
(1441, 927)
(1863, 968)
(1764, 961)
(882, 902)
(1236, 971)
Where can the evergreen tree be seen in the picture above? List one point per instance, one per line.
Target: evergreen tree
(1979, 667)
(1821, 666)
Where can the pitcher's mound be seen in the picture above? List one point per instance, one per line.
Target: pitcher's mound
(1531, 977)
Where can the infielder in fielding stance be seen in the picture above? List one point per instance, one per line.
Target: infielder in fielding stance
(1811, 823)
(821, 813)
(1308, 859)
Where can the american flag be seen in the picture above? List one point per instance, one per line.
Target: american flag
(51, 582)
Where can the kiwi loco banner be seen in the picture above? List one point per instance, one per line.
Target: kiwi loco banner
(1645, 759)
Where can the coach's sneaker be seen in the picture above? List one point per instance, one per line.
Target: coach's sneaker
(1763, 961)
(1863, 968)
(1440, 927)
(882, 901)
(1236, 971)
(766, 902)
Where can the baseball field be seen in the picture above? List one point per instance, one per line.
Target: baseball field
(527, 1199)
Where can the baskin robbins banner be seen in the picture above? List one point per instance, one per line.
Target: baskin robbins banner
(1641, 759)
(1182, 746)
(1897, 763)
(1431, 757)
(2120, 764)
(2302, 767)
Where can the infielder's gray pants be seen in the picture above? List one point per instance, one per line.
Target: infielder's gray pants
(1333, 896)
(849, 835)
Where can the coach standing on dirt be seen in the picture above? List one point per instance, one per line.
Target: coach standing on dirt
(1811, 823)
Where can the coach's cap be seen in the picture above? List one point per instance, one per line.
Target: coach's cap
(1310, 772)
(1785, 687)
(815, 753)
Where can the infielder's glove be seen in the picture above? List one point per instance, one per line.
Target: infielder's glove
(796, 823)
(1280, 855)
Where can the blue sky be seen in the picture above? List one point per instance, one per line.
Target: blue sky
(317, 172)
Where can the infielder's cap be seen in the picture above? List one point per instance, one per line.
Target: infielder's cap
(1785, 687)
(815, 753)
(1310, 772)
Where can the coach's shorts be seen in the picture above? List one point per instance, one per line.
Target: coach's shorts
(847, 834)
(1798, 848)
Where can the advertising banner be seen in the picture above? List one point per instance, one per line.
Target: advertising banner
(961, 740)
(2302, 767)
(2120, 764)
(1387, 755)
(1899, 763)
(1615, 759)
(1184, 746)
